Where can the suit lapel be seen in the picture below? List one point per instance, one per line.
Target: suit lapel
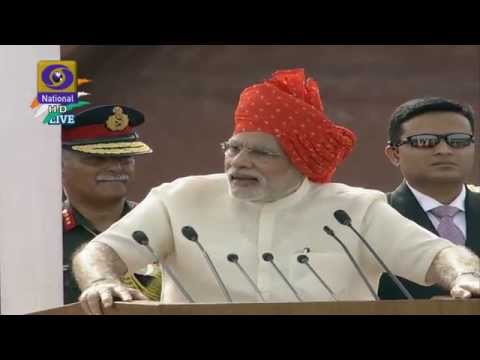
(403, 200)
(472, 209)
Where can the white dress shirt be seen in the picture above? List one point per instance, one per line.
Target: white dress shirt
(428, 203)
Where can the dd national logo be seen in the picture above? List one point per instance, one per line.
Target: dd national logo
(57, 82)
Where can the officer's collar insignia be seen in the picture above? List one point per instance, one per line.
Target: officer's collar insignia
(68, 219)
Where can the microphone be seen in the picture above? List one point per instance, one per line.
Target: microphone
(344, 219)
(233, 258)
(303, 259)
(190, 233)
(332, 234)
(141, 238)
(268, 257)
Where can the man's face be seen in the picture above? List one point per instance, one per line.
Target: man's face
(94, 178)
(440, 164)
(258, 169)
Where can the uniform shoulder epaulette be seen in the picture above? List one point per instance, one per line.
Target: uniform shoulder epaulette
(68, 218)
(473, 188)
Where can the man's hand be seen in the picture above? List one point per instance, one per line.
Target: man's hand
(458, 269)
(98, 269)
(465, 286)
(102, 293)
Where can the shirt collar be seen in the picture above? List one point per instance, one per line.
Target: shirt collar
(81, 220)
(428, 203)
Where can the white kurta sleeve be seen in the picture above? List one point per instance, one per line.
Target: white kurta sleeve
(149, 216)
(405, 247)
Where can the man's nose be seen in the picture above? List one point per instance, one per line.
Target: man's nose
(242, 159)
(443, 148)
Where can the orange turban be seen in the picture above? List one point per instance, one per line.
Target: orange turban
(290, 108)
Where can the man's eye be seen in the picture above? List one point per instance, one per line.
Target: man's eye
(259, 153)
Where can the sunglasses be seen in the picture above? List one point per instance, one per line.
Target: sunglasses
(428, 141)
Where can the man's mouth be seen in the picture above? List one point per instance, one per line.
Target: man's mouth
(444, 163)
(243, 179)
(112, 178)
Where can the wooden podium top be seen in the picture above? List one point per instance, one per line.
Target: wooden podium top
(394, 307)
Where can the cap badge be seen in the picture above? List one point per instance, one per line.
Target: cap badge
(118, 121)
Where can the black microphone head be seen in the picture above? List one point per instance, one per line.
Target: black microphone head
(302, 259)
(328, 230)
(190, 233)
(342, 217)
(267, 256)
(140, 237)
(232, 258)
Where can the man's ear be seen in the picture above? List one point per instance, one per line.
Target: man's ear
(391, 152)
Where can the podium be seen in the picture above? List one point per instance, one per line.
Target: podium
(387, 307)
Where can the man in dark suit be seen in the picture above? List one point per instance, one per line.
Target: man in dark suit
(431, 142)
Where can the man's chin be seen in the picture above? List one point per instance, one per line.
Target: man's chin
(246, 194)
(112, 189)
(445, 171)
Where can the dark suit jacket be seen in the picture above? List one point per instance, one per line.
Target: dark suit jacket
(403, 200)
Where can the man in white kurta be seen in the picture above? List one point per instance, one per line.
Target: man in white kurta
(285, 227)
(275, 197)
